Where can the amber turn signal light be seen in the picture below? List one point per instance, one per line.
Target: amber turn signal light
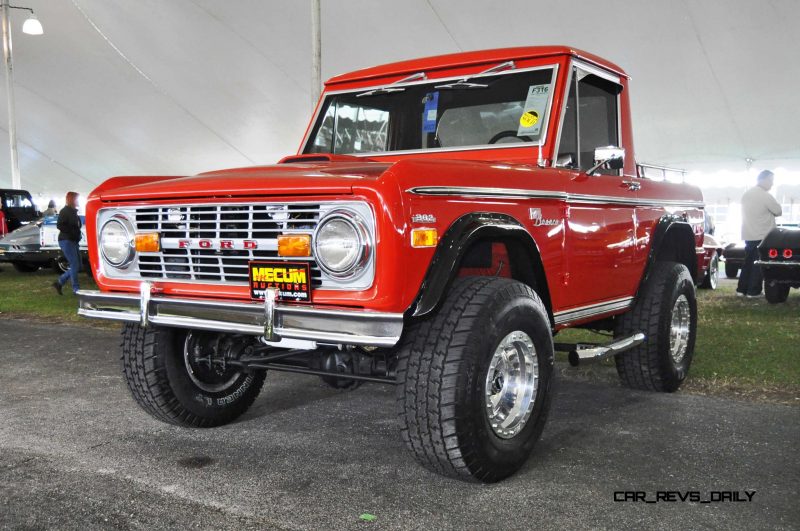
(294, 245)
(148, 242)
(424, 237)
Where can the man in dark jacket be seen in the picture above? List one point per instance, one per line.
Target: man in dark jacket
(69, 226)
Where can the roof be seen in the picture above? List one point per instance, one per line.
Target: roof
(455, 60)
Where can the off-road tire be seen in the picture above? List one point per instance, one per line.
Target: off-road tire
(650, 366)
(775, 293)
(710, 280)
(731, 270)
(25, 267)
(154, 369)
(443, 363)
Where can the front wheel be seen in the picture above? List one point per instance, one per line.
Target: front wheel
(182, 377)
(666, 312)
(775, 293)
(474, 380)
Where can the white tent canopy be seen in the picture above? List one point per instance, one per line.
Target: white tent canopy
(181, 86)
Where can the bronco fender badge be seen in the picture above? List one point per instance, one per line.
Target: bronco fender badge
(539, 221)
(423, 218)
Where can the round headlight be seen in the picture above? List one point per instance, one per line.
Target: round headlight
(116, 242)
(341, 244)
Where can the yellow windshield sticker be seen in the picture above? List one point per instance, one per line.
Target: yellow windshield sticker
(529, 119)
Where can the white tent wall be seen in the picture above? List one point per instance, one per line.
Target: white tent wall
(181, 86)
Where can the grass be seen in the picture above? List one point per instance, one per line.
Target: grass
(744, 346)
(31, 295)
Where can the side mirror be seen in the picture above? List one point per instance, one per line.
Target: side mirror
(612, 157)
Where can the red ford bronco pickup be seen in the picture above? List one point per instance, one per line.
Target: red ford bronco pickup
(443, 219)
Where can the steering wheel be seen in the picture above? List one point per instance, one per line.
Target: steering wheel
(508, 134)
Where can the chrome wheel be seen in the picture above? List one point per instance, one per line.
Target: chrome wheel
(713, 271)
(206, 364)
(679, 328)
(511, 384)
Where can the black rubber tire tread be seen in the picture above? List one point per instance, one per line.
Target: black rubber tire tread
(731, 270)
(25, 267)
(143, 351)
(645, 367)
(430, 375)
(775, 293)
(708, 282)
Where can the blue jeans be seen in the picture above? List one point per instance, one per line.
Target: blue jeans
(751, 279)
(70, 250)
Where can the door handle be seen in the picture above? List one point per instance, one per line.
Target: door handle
(633, 186)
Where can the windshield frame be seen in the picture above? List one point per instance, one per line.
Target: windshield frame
(328, 94)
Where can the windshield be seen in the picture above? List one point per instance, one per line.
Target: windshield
(511, 107)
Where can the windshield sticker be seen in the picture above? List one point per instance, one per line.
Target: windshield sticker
(430, 113)
(529, 119)
(530, 122)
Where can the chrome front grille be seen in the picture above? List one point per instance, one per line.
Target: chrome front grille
(183, 228)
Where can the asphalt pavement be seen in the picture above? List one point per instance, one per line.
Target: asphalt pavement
(77, 453)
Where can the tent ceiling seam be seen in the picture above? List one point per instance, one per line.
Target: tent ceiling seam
(251, 45)
(441, 21)
(51, 159)
(155, 85)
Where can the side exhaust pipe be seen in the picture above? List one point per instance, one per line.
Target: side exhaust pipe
(585, 351)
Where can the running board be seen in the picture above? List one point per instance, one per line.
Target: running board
(588, 351)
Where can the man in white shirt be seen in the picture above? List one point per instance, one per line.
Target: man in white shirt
(759, 210)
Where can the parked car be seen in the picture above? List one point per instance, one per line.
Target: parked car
(35, 245)
(734, 258)
(16, 209)
(443, 219)
(713, 252)
(779, 258)
(733, 254)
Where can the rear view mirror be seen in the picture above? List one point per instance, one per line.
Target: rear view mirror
(612, 157)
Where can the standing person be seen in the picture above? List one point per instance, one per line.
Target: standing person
(759, 210)
(51, 209)
(69, 227)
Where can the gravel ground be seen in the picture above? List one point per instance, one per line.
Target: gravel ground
(77, 453)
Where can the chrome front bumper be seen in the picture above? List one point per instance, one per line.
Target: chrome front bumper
(272, 320)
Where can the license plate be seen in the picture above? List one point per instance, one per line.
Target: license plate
(292, 281)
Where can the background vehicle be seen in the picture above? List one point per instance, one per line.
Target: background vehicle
(779, 255)
(713, 253)
(16, 209)
(35, 245)
(734, 258)
(444, 218)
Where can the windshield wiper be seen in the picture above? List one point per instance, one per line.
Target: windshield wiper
(386, 89)
(465, 83)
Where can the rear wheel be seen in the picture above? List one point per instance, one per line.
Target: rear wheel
(25, 267)
(666, 312)
(710, 280)
(60, 264)
(474, 380)
(776, 293)
(182, 377)
(731, 270)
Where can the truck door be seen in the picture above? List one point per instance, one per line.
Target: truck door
(601, 222)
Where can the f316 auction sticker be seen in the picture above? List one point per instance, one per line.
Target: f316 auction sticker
(292, 281)
(529, 119)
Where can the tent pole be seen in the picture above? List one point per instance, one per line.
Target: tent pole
(12, 122)
(316, 52)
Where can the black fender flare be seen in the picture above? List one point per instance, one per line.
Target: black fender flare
(454, 244)
(664, 226)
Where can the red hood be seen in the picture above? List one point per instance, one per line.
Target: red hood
(320, 178)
